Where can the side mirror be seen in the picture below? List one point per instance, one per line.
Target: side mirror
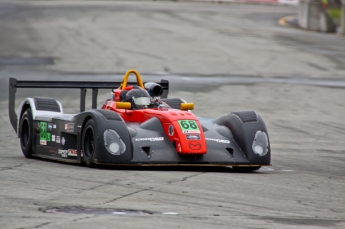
(123, 105)
(186, 106)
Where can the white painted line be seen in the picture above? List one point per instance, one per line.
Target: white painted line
(119, 213)
(266, 169)
(169, 213)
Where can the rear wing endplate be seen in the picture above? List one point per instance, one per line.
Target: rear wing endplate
(82, 85)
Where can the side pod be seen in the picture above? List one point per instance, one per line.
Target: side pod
(245, 126)
(109, 128)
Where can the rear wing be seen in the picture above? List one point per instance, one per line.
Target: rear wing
(82, 85)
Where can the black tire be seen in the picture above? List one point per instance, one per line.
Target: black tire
(241, 169)
(26, 133)
(89, 143)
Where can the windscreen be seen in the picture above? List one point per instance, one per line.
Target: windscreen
(142, 101)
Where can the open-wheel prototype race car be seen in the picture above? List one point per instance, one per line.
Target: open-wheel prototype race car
(138, 125)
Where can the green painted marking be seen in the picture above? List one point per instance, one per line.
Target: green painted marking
(188, 125)
(44, 135)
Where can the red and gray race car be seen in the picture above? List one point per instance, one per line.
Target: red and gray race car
(138, 125)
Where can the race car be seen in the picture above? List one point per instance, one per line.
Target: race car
(138, 125)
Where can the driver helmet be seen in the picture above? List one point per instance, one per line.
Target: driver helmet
(139, 98)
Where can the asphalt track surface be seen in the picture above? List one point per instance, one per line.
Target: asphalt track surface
(222, 57)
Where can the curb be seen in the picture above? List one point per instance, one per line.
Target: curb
(292, 22)
(289, 21)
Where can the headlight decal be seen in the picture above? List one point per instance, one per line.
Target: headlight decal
(113, 142)
(260, 143)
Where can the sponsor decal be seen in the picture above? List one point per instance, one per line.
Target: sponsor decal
(150, 139)
(44, 135)
(218, 140)
(69, 152)
(53, 138)
(191, 131)
(52, 150)
(63, 153)
(194, 145)
(192, 137)
(54, 126)
(171, 130)
(50, 126)
(69, 127)
(58, 140)
(189, 127)
(72, 152)
(63, 141)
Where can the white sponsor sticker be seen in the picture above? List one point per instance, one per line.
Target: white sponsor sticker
(69, 127)
(150, 139)
(63, 153)
(218, 140)
(54, 126)
(53, 138)
(72, 152)
(191, 131)
(43, 142)
(58, 139)
(191, 137)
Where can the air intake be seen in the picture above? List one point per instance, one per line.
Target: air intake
(246, 116)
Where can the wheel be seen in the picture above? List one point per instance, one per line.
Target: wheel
(245, 169)
(26, 133)
(89, 143)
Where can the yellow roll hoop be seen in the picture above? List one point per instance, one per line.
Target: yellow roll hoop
(125, 79)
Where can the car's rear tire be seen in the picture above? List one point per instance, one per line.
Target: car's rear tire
(89, 143)
(26, 133)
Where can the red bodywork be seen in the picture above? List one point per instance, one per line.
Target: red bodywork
(196, 143)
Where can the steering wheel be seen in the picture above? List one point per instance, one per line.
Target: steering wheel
(125, 79)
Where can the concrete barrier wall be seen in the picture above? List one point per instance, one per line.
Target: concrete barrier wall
(342, 20)
(312, 16)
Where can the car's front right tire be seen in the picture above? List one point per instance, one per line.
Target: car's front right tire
(89, 143)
